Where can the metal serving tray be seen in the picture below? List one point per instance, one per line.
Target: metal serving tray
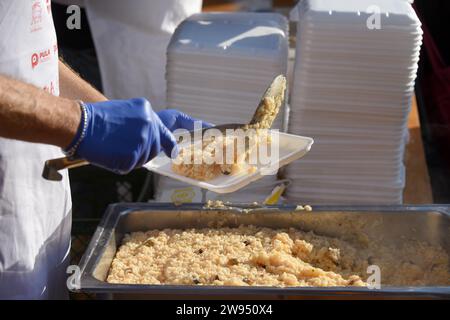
(387, 224)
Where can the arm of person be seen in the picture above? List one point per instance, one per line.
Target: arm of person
(118, 135)
(72, 86)
(30, 114)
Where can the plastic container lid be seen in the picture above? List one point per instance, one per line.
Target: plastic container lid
(395, 13)
(245, 34)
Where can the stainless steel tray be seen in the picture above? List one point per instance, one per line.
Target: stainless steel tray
(392, 224)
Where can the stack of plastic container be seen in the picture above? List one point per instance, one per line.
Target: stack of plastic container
(356, 63)
(220, 64)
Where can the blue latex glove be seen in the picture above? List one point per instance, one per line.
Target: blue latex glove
(121, 135)
(174, 119)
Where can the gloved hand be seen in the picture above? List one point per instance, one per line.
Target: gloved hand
(174, 119)
(120, 135)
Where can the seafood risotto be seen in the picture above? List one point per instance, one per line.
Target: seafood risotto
(256, 256)
(198, 160)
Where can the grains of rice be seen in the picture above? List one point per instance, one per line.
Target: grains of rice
(256, 256)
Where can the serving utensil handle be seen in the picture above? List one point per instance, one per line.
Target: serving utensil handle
(53, 166)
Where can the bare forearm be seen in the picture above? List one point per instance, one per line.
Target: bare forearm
(75, 88)
(30, 114)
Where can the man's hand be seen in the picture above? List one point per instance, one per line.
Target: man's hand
(122, 135)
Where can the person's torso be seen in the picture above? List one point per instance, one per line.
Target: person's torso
(34, 213)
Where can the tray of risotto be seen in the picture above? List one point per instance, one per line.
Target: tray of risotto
(238, 251)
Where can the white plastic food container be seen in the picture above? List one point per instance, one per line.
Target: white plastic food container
(291, 147)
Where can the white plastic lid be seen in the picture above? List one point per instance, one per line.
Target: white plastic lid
(244, 34)
(394, 13)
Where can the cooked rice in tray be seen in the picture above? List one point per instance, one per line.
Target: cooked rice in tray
(255, 256)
